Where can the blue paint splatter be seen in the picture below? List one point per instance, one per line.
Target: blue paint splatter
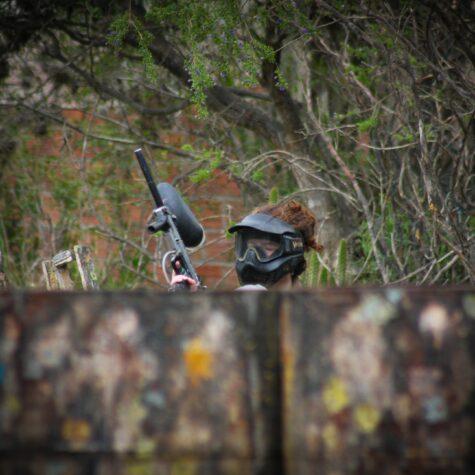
(435, 409)
(155, 399)
(394, 295)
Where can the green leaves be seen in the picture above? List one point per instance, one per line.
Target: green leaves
(227, 234)
(342, 262)
(217, 45)
(258, 175)
(319, 274)
(367, 124)
(201, 80)
(211, 158)
(273, 195)
(66, 191)
(160, 14)
(118, 29)
(201, 175)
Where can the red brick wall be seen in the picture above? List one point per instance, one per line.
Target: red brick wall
(215, 203)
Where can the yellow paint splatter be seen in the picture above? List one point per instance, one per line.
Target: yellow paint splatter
(289, 372)
(198, 361)
(367, 418)
(330, 437)
(335, 395)
(76, 431)
(140, 467)
(12, 405)
(184, 467)
(145, 446)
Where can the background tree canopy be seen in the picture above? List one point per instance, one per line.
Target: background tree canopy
(364, 110)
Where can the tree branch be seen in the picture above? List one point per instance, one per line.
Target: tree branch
(219, 99)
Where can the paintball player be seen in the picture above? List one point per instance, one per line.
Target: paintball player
(270, 245)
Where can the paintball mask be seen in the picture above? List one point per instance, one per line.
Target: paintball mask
(267, 248)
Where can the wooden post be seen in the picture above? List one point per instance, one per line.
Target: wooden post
(57, 274)
(86, 267)
(50, 275)
(3, 277)
(60, 264)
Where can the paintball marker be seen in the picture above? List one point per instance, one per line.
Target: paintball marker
(173, 216)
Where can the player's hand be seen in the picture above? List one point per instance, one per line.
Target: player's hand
(178, 280)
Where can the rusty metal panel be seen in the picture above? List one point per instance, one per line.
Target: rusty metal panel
(379, 381)
(119, 383)
(335, 382)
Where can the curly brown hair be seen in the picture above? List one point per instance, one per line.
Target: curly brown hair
(298, 216)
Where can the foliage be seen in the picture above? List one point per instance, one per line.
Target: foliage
(274, 195)
(342, 263)
(319, 274)
(368, 117)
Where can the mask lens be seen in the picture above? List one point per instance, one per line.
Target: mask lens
(266, 246)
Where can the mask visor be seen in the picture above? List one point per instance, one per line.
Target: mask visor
(266, 246)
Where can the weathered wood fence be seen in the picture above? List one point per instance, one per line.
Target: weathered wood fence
(340, 381)
(57, 272)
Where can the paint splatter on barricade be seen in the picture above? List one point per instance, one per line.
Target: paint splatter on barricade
(339, 380)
